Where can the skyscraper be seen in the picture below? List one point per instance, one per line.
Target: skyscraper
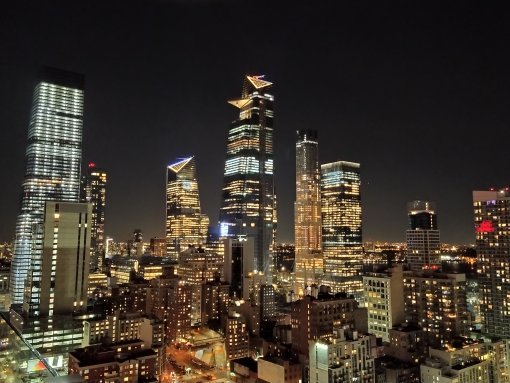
(307, 211)
(93, 191)
(53, 158)
(249, 203)
(185, 224)
(492, 230)
(341, 227)
(58, 279)
(423, 244)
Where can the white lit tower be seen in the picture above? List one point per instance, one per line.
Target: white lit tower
(249, 203)
(52, 159)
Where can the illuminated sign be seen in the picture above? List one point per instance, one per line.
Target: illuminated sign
(92, 165)
(485, 227)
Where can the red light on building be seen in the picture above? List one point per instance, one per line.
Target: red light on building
(92, 165)
(485, 227)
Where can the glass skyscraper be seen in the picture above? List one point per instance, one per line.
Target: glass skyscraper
(249, 203)
(53, 158)
(185, 224)
(307, 211)
(93, 191)
(341, 227)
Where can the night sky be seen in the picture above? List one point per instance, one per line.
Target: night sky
(418, 94)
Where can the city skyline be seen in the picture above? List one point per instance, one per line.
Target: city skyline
(363, 99)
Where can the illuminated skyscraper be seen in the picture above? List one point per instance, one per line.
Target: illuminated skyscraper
(492, 218)
(341, 227)
(423, 244)
(185, 224)
(53, 158)
(307, 211)
(93, 191)
(249, 203)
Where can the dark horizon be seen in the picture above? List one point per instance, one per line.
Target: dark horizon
(414, 93)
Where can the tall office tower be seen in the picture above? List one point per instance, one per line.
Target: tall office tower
(52, 159)
(93, 191)
(238, 257)
(423, 245)
(58, 278)
(185, 224)
(309, 265)
(249, 203)
(341, 227)
(492, 217)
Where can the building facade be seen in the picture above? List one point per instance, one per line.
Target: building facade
(185, 223)
(384, 301)
(248, 201)
(341, 227)
(93, 191)
(53, 159)
(346, 357)
(57, 282)
(309, 265)
(423, 243)
(437, 302)
(492, 230)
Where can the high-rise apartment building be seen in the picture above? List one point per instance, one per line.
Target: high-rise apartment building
(346, 356)
(53, 158)
(423, 244)
(315, 318)
(249, 204)
(185, 224)
(437, 302)
(492, 218)
(57, 281)
(93, 191)
(384, 301)
(307, 212)
(196, 267)
(341, 227)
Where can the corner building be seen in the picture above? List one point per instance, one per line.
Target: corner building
(52, 159)
(492, 231)
(248, 200)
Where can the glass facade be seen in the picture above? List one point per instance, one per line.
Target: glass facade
(249, 203)
(307, 211)
(185, 224)
(53, 159)
(341, 227)
(93, 191)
